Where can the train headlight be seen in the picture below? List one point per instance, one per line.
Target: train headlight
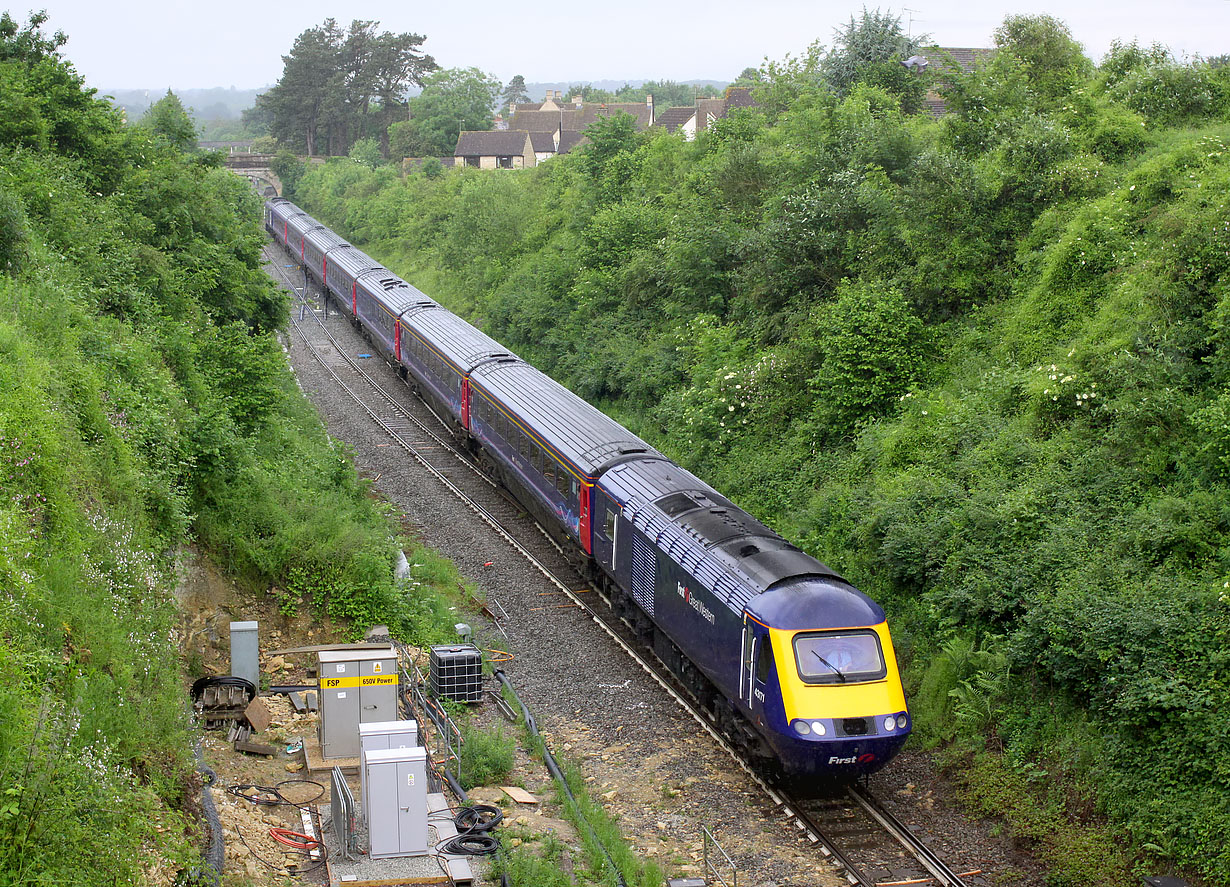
(802, 728)
(889, 723)
(818, 727)
(902, 720)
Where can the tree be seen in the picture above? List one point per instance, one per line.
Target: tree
(749, 77)
(514, 93)
(666, 93)
(168, 120)
(452, 100)
(1052, 60)
(608, 136)
(589, 93)
(367, 152)
(870, 49)
(331, 80)
(297, 102)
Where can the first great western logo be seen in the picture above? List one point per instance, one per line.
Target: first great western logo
(694, 602)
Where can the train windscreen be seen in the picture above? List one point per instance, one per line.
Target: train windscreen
(839, 657)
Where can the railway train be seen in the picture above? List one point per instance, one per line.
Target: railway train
(793, 663)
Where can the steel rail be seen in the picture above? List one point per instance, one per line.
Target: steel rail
(924, 854)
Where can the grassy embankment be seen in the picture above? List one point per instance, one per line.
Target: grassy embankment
(145, 404)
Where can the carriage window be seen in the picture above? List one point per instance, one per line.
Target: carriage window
(608, 526)
(537, 457)
(561, 481)
(763, 654)
(549, 467)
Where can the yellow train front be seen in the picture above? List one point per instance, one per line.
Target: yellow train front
(819, 679)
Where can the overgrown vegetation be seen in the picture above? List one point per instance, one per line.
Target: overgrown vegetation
(146, 405)
(979, 364)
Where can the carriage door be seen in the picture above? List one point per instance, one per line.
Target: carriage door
(747, 663)
(754, 670)
(605, 529)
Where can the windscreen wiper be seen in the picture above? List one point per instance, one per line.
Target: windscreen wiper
(841, 677)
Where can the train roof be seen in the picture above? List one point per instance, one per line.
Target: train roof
(354, 261)
(733, 553)
(391, 291)
(323, 239)
(588, 438)
(461, 344)
(301, 222)
(815, 602)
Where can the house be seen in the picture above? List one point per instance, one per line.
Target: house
(966, 58)
(698, 118)
(679, 119)
(413, 164)
(576, 115)
(495, 149)
(545, 144)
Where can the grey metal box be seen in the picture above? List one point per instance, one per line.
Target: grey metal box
(356, 686)
(397, 789)
(381, 735)
(245, 652)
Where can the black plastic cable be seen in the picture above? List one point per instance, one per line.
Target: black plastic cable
(455, 786)
(251, 793)
(199, 686)
(480, 844)
(478, 819)
(558, 775)
(209, 874)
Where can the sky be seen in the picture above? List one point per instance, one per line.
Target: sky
(157, 44)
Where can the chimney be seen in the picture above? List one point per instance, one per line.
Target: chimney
(576, 99)
(649, 104)
(512, 108)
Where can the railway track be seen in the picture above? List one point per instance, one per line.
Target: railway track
(853, 830)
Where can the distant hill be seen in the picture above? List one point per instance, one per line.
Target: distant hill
(217, 103)
(538, 91)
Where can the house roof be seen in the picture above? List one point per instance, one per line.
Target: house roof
(569, 140)
(495, 143)
(543, 142)
(673, 118)
(739, 97)
(576, 119)
(537, 121)
(964, 57)
(967, 57)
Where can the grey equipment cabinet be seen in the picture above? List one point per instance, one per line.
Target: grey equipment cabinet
(356, 686)
(397, 787)
(378, 736)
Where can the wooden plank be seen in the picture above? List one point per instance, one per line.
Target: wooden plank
(320, 648)
(255, 748)
(258, 715)
(310, 830)
(518, 794)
